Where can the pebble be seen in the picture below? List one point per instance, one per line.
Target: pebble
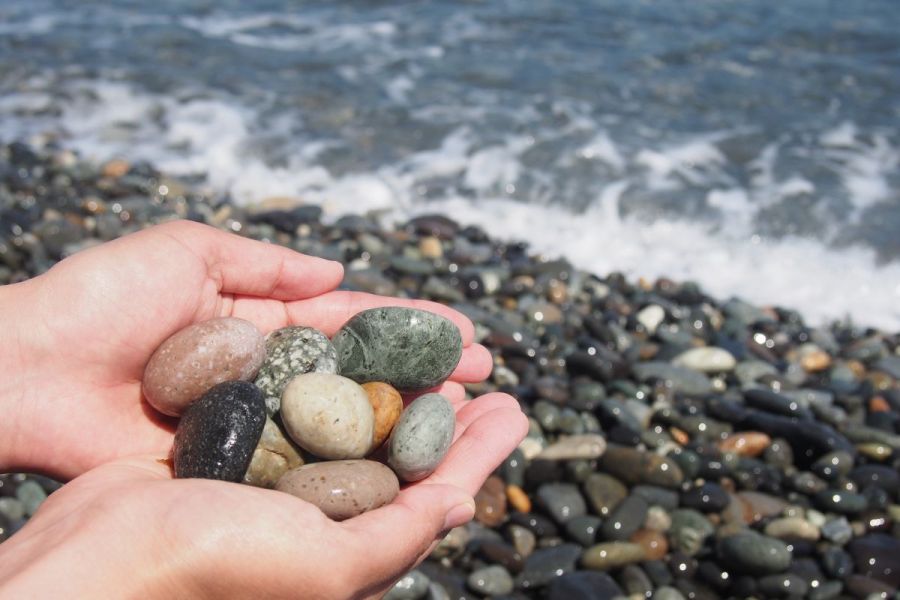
(584, 446)
(706, 360)
(689, 530)
(193, 360)
(490, 502)
(651, 317)
(422, 437)
(612, 555)
(218, 433)
(31, 495)
(753, 554)
(681, 379)
(746, 443)
(293, 351)
(584, 585)
(792, 528)
(342, 488)
(13, 509)
(328, 415)
(491, 581)
(604, 492)
(655, 544)
(546, 564)
(838, 531)
(877, 555)
(274, 456)
(782, 586)
(412, 586)
(626, 519)
(387, 405)
(562, 501)
(840, 501)
(635, 466)
(410, 349)
(518, 499)
(709, 497)
(583, 529)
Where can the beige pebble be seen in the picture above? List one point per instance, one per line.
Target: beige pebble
(274, 456)
(343, 488)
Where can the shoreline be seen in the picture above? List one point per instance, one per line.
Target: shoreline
(722, 410)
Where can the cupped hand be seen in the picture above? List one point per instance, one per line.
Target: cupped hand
(128, 529)
(79, 336)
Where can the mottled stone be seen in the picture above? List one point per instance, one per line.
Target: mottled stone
(293, 351)
(217, 434)
(612, 555)
(490, 502)
(387, 404)
(491, 581)
(422, 437)
(274, 456)
(328, 415)
(635, 466)
(193, 360)
(575, 447)
(753, 554)
(342, 488)
(410, 349)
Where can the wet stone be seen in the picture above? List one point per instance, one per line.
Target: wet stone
(218, 433)
(681, 379)
(412, 586)
(422, 437)
(583, 529)
(626, 519)
(562, 501)
(343, 488)
(833, 465)
(584, 585)
(838, 531)
(497, 552)
(604, 492)
(792, 528)
(490, 502)
(612, 555)
(635, 581)
(689, 531)
(574, 447)
(654, 543)
(292, 351)
(31, 495)
(877, 555)
(635, 466)
(522, 539)
(491, 581)
(782, 586)
(840, 501)
(547, 564)
(410, 349)
(709, 497)
(753, 554)
(193, 360)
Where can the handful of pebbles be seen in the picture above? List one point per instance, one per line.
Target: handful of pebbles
(300, 413)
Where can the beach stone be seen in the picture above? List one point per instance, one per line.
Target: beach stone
(681, 379)
(788, 528)
(746, 443)
(293, 351)
(583, 529)
(689, 531)
(412, 586)
(603, 493)
(562, 501)
(708, 359)
(500, 553)
(658, 519)
(635, 466)
(546, 564)
(328, 415)
(753, 554)
(491, 581)
(836, 562)
(422, 437)
(410, 349)
(841, 501)
(218, 433)
(837, 530)
(782, 586)
(342, 488)
(584, 446)
(584, 585)
(651, 317)
(518, 498)
(274, 456)
(612, 555)
(626, 519)
(709, 497)
(490, 502)
(387, 405)
(193, 360)
(522, 539)
(877, 555)
(655, 544)
(833, 465)
(31, 495)
(879, 476)
(667, 592)
(655, 495)
(758, 506)
(12, 508)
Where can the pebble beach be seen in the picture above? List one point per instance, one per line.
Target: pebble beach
(680, 445)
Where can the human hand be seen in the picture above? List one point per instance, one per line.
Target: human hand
(79, 336)
(128, 529)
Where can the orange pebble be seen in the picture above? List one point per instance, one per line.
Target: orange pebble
(679, 435)
(816, 361)
(387, 404)
(879, 404)
(654, 543)
(746, 443)
(490, 502)
(518, 499)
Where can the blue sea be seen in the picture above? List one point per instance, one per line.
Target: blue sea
(751, 146)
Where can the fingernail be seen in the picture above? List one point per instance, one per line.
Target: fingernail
(459, 514)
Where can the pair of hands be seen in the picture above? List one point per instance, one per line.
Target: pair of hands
(77, 340)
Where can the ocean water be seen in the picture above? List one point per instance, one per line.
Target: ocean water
(751, 146)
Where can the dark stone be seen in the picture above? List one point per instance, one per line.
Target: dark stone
(584, 529)
(562, 501)
(709, 497)
(501, 554)
(772, 402)
(635, 581)
(809, 439)
(411, 349)
(877, 556)
(753, 554)
(682, 379)
(840, 501)
(636, 466)
(218, 433)
(836, 562)
(584, 585)
(546, 564)
(876, 476)
(658, 572)
(783, 586)
(539, 525)
(288, 220)
(627, 518)
(657, 496)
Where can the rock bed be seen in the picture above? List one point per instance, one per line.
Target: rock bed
(680, 447)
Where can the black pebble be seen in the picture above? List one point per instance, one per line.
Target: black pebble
(218, 433)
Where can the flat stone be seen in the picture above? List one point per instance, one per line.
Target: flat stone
(491, 581)
(490, 502)
(636, 466)
(193, 360)
(758, 506)
(681, 379)
(410, 349)
(746, 443)
(612, 555)
(785, 585)
(753, 554)
(342, 488)
(275, 455)
(626, 519)
(841, 501)
(217, 434)
(546, 564)
(562, 501)
(293, 351)
(387, 404)
(584, 446)
(604, 492)
(422, 437)
(708, 359)
(789, 528)
(328, 415)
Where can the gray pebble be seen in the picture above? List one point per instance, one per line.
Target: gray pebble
(422, 437)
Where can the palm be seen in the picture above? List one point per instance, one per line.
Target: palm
(132, 294)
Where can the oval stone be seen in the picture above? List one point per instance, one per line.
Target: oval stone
(422, 437)
(274, 456)
(387, 404)
(198, 357)
(293, 351)
(342, 489)
(217, 433)
(411, 349)
(328, 415)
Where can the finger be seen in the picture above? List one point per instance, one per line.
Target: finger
(471, 411)
(474, 366)
(394, 538)
(244, 266)
(330, 311)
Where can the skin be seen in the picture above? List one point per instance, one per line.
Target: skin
(78, 338)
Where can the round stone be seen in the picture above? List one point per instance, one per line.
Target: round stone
(293, 351)
(328, 415)
(343, 488)
(422, 437)
(274, 456)
(410, 349)
(754, 554)
(217, 434)
(387, 404)
(198, 357)
(491, 581)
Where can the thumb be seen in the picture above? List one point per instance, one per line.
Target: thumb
(393, 539)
